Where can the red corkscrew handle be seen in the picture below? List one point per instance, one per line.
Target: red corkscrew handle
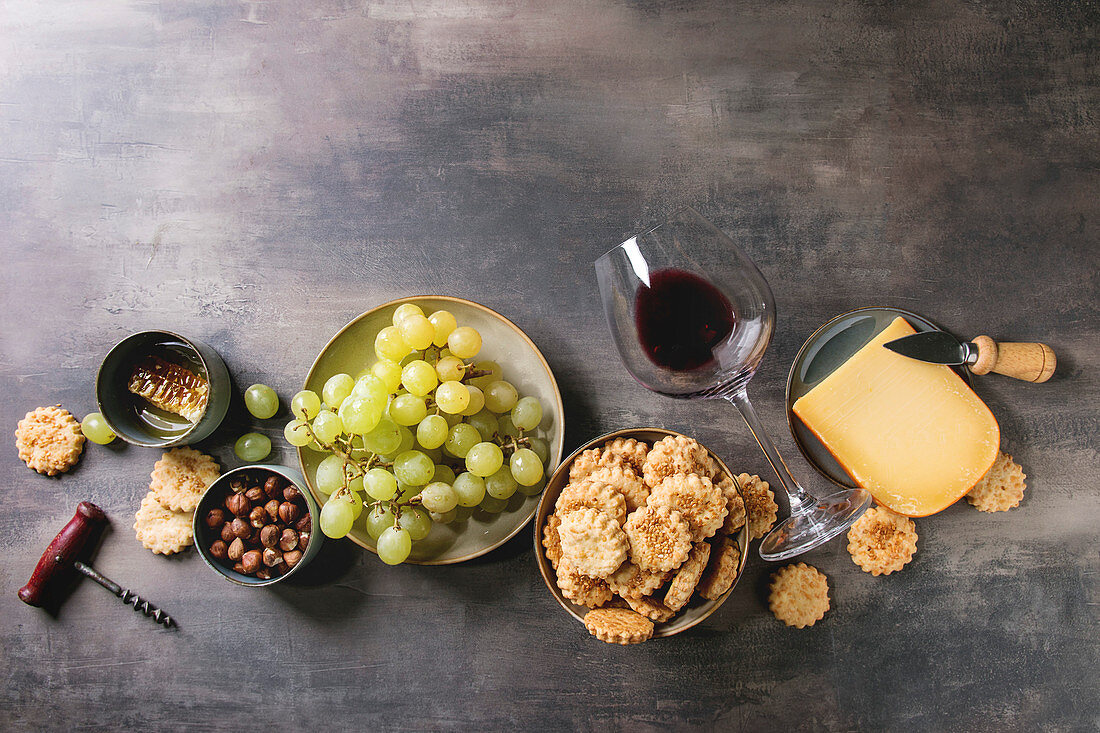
(62, 551)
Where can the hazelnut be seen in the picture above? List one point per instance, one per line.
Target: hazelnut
(219, 550)
(238, 485)
(274, 487)
(288, 540)
(236, 549)
(239, 505)
(238, 567)
(290, 493)
(214, 518)
(272, 557)
(254, 494)
(292, 558)
(227, 532)
(304, 523)
(264, 574)
(269, 536)
(241, 528)
(303, 540)
(257, 517)
(251, 561)
(272, 509)
(288, 512)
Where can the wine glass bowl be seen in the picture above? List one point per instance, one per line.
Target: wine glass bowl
(692, 316)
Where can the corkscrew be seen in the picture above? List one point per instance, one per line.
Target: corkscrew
(61, 554)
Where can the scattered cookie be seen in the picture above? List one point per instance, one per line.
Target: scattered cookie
(697, 500)
(799, 595)
(1002, 487)
(624, 480)
(161, 530)
(674, 454)
(618, 626)
(882, 541)
(551, 541)
(759, 505)
(592, 542)
(629, 581)
(652, 609)
(660, 538)
(582, 589)
(589, 493)
(181, 476)
(687, 577)
(49, 440)
(725, 557)
(630, 451)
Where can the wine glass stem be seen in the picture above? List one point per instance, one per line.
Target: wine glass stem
(797, 497)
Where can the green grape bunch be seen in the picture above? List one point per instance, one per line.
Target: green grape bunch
(420, 433)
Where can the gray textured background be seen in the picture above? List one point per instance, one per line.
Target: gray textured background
(255, 174)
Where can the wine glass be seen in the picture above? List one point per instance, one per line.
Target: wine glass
(692, 316)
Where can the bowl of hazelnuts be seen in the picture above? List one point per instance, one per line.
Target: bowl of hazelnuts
(255, 525)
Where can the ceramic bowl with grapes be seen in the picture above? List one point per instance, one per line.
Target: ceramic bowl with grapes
(473, 531)
(698, 608)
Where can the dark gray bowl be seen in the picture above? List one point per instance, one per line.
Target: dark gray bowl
(115, 401)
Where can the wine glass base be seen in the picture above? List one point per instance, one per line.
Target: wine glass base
(803, 532)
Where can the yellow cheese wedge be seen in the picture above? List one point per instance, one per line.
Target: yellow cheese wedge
(913, 434)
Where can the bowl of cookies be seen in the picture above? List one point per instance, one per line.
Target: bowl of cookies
(641, 533)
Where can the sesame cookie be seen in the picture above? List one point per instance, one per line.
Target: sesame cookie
(596, 495)
(687, 577)
(631, 452)
(618, 626)
(624, 480)
(161, 530)
(882, 541)
(759, 505)
(736, 514)
(590, 460)
(181, 476)
(49, 440)
(799, 595)
(551, 541)
(671, 455)
(629, 581)
(1002, 487)
(592, 542)
(660, 538)
(651, 608)
(584, 590)
(725, 556)
(697, 500)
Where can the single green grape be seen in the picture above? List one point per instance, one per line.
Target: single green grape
(378, 518)
(261, 401)
(485, 423)
(358, 415)
(327, 426)
(493, 505)
(445, 518)
(469, 489)
(464, 342)
(336, 389)
(484, 459)
(438, 497)
(306, 404)
(500, 396)
(297, 434)
(506, 427)
(463, 437)
(501, 485)
(389, 344)
(252, 447)
(477, 401)
(413, 468)
(356, 485)
(384, 438)
(96, 429)
(330, 474)
(380, 484)
(450, 369)
(526, 467)
(527, 414)
(405, 310)
(493, 375)
(408, 440)
(444, 323)
(394, 546)
(336, 518)
(452, 397)
(443, 474)
(419, 377)
(541, 448)
(415, 521)
(432, 431)
(389, 372)
(408, 409)
(418, 332)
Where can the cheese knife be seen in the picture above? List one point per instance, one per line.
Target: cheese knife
(1031, 362)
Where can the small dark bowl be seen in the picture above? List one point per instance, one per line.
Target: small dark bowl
(214, 496)
(115, 401)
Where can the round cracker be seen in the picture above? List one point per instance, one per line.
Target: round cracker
(181, 476)
(674, 454)
(592, 542)
(687, 577)
(881, 541)
(624, 480)
(660, 538)
(162, 530)
(551, 541)
(799, 595)
(1002, 487)
(760, 504)
(49, 440)
(594, 494)
(699, 502)
(725, 557)
(618, 626)
(582, 589)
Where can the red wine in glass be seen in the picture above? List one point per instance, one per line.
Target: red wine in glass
(681, 318)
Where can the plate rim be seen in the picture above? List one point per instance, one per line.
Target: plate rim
(559, 428)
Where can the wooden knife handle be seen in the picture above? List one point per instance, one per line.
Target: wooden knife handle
(62, 551)
(1031, 362)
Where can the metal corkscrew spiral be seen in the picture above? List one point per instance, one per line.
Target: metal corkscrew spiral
(128, 597)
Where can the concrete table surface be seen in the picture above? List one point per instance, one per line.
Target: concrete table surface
(255, 174)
